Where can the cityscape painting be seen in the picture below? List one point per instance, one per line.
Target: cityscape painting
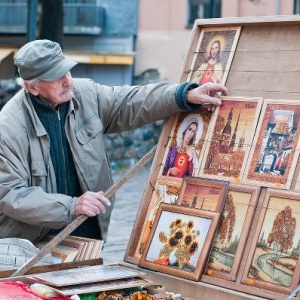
(275, 149)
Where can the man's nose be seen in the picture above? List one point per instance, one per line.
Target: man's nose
(67, 78)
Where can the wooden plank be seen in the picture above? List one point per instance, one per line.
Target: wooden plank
(79, 220)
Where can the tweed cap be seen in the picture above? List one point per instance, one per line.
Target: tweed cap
(42, 59)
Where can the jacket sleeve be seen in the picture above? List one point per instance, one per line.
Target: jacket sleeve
(20, 197)
(128, 107)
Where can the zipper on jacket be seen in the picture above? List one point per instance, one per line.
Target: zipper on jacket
(63, 152)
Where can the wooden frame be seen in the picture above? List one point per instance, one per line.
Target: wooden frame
(230, 138)
(180, 241)
(212, 41)
(261, 67)
(274, 261)
(275, 149)
(86, 274)
(203, 193)
(186, 144)
(233, 230)
(166, 190)
(97, 287)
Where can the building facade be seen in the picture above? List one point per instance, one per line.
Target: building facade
(99, 35)
(164, 28)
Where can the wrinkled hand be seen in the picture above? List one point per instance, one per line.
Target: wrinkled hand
(91, 204)
(207, 95)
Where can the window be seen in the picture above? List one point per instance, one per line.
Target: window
(203, 9)
(296, 7)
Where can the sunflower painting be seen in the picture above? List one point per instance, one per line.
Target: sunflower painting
(180, 241)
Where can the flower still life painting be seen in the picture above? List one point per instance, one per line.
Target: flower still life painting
(180, 242)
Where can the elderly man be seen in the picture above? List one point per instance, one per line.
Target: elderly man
(53, 163)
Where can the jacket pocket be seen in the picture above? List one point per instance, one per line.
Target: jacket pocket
(91, 150)
(88, 130)
(38, 173)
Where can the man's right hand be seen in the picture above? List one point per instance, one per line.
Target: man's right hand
(91, 204)
(207, 95)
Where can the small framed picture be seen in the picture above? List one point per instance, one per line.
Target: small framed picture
(166, 190)
(230, 138)
(274, 262)
(180, 241)
(275, 151)
(203, 193)
(232, 233)
(186, 144)
(214, 53)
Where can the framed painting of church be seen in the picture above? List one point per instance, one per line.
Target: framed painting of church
(214, 53)
(202, 193)
(273, 262)
(275, 149)
(232, 233)
(230, 138)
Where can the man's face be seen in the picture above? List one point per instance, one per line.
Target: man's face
(56, 92)
(215, 49)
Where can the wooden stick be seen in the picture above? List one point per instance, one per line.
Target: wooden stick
(80, 219)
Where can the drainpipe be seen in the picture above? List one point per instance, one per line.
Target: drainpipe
(31, 19)
(277, 7)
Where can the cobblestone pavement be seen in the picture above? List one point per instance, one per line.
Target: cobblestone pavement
(128, 198)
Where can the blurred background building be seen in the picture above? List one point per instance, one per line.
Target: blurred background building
(117, 42)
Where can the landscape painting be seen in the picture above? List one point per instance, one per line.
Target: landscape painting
(233, 229)
(274, 261)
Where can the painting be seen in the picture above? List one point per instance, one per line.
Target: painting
(230, 138)
(233, 229)
(96, 287)
(186, 144)
(274, 262)
(180, 241)
(203, 193)
(214, 53)
(275, 151)
(166, 191)
(86, 274)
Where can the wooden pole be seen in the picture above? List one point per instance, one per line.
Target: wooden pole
(80, 219)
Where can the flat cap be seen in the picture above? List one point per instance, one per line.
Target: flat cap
(42, 59)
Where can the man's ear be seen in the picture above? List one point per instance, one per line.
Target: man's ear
(31, 88)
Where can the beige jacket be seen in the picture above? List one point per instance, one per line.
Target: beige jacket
(29, 202)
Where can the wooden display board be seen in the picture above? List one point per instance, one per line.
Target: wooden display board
(258, 236)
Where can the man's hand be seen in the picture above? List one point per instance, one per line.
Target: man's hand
(91, 204)
(207, 95)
